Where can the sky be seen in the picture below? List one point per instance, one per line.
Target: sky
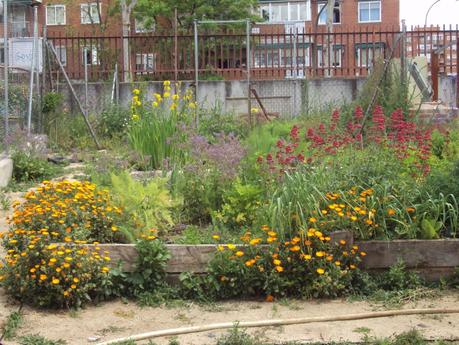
(444, 12)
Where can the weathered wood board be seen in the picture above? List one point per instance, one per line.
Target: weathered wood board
(432, 258)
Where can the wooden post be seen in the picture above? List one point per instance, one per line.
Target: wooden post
(457, 71)
(434, 69)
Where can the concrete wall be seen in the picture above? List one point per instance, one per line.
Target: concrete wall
(283, 97)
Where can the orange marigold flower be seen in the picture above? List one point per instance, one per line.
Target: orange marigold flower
(279, 269)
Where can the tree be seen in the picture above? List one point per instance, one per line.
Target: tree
(162, 11)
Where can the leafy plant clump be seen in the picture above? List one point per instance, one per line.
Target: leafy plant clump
(146, 205)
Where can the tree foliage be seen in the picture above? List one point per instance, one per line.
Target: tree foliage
(162, 11)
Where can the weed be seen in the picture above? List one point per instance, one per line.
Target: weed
(39, 340)
(237, 337)
(5, 201)
(173, 341)
(12, 323)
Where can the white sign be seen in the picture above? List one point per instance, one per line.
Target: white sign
(20, 53)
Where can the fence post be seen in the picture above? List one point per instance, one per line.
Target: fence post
(196, 69)
(403, 54)
(249, 96)
(457, 69)
(434, 75)
(5, 69)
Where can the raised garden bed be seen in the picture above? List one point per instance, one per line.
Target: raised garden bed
(433, 259)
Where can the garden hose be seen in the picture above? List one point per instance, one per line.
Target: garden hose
(278, 322)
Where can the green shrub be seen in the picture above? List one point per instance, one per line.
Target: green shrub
(28, 167)
(147, 206)
(240, 207)
(150, 266)
(113, 121)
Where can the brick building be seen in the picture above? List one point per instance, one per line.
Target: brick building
(291, 42)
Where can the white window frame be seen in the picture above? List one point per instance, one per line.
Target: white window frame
(319, 7)
(94, 55)
(54, 7)
(369, 3)
(144, 57)
(269, 8)
(370, 56)
(61, 52)
(338, 51)
(89, 6)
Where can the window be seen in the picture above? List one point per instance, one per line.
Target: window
(141, 26)
(90, 55)
(55, 15)
(90, 13)
(323, 15)
(369, 11)
(267, 58)
(145, 62)
(62, 54)
(286, 11)
(335, 58)
(367, 53)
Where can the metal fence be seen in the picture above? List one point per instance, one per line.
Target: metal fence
(222, 55)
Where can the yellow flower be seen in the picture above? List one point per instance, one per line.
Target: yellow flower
(254, 110)
(43, 277)
(239, 253)
(55, 281)
(320, 271)
(312, 220)
(166, 94)
(105, 269)
(295, 249)
(192, 105)
(320, 254)
(216, 237)
(155, 104)
(73, 286)
(175, 97)
(167, 83)
(231, 246)
(53, 260)
(337, 263)
(255, 241)
(135, 117)
(276, 262)
(220, 248)
(114, 228)
(342, 242)
(279, 269)
(76, 280)
(136, 92)
(363, 254)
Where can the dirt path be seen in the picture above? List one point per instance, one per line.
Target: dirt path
(115, 319)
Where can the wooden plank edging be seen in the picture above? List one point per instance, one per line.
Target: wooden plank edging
(425, 255)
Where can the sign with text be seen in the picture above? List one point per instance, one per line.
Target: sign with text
(20, 53)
